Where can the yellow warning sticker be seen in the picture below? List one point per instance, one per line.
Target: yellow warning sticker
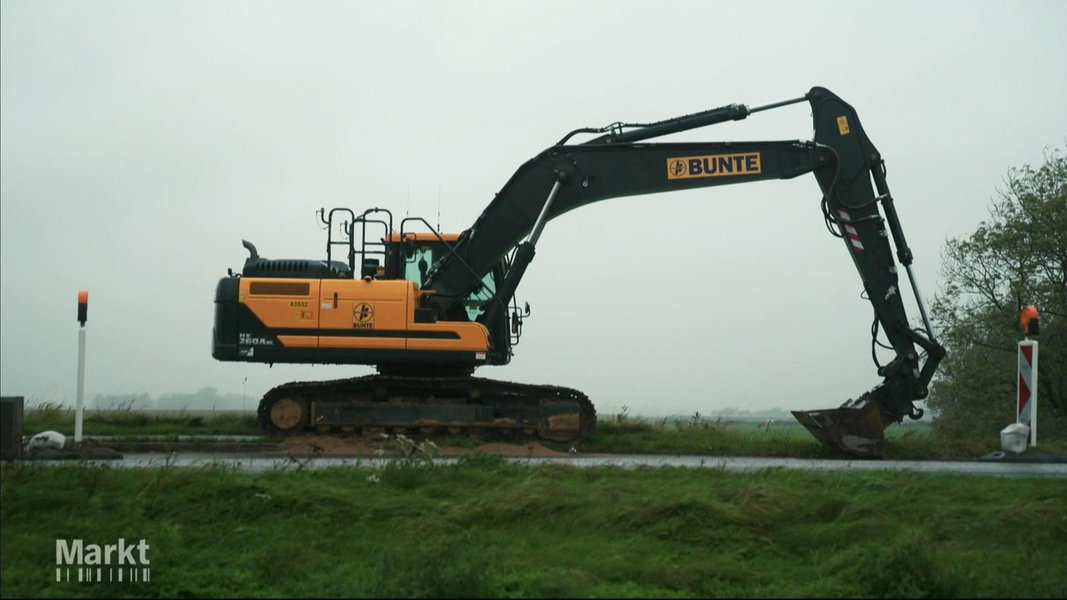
(842, 125)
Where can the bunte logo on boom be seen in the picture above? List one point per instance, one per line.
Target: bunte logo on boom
(714, 165)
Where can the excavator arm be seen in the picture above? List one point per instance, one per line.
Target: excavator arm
(856, 203)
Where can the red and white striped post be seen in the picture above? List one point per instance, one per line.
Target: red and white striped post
(1027, 397)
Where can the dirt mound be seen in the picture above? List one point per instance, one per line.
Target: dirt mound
(527, 449)
(326, 445)
(338, 446)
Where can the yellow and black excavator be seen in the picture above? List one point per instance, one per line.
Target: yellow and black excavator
(427, 308)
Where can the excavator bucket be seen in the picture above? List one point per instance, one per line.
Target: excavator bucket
(856, 430)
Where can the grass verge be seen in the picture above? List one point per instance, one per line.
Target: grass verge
(486, 527)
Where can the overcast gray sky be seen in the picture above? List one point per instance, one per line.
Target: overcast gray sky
(142, 141)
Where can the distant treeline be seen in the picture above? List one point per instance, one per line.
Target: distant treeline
(206, 398)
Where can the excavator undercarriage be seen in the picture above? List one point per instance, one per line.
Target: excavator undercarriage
(464, 406)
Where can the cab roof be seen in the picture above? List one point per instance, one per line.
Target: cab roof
(423, 236)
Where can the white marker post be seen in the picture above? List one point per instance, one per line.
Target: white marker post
(1026, 399)
(83, 312)
(1027, 396)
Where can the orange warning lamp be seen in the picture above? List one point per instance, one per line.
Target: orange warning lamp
(83, 306)
(1028, 319)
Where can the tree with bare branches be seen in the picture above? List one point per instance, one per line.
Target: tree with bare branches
(1017, 257)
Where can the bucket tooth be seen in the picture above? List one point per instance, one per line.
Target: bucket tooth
(855, 430)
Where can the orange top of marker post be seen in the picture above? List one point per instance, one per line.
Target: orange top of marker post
(83, 306)
(1028, 318)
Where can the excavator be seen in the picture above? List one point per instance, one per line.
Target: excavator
(427, 308)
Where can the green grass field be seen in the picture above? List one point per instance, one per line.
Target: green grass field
(486, 527)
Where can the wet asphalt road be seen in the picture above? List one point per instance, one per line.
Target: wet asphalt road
(992, 465)
(246, 453)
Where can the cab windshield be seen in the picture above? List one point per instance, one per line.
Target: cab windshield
(423, 256)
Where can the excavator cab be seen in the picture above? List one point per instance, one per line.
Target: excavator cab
(411, 254)
(420, 253)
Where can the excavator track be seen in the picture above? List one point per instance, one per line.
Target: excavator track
(469, 406)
